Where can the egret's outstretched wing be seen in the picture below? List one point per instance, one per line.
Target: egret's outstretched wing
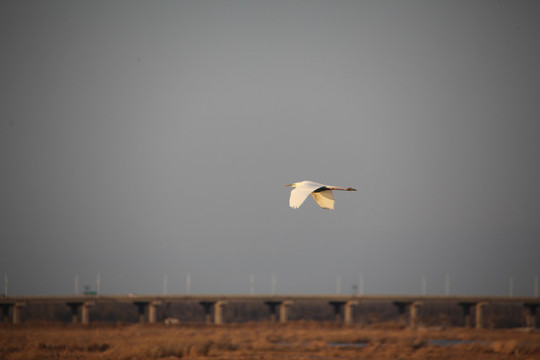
(325, 199)
(300, 193)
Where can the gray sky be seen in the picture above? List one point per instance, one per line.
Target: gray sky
(139, 139)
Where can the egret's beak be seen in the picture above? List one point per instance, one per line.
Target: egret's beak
(289, 185)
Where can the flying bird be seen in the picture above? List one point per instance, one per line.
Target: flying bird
(321, 193)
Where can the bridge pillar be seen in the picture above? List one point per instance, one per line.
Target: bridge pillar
(85, 313)
(272, 308)
(479, 314)
(219, 306)
(17, 312)
(402, 310)
(466, 307)
(284, 311)
(530, 316)
(141, 310)
(337, 309)
(349, 311)
(414, 319)
(207, 305)
(152, 310)
(74, 306)
(5, 312)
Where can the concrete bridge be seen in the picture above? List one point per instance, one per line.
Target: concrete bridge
(278, 305)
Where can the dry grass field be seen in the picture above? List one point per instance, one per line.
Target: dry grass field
(295, 340)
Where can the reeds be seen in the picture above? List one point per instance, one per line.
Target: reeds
(295, 340)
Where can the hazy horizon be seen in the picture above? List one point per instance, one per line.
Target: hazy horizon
(142, 139)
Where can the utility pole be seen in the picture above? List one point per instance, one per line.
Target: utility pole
(511, 286)
(165, 284)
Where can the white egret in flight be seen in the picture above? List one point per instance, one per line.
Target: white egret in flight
(321, 193)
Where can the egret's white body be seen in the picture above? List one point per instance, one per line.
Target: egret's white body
(321, 193)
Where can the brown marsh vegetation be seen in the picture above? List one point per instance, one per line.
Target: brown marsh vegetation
(262, 340)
